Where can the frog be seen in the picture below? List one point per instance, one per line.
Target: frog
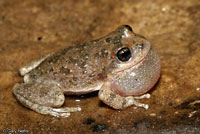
(121, 66)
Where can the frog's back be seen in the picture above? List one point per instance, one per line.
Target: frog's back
(76, 67)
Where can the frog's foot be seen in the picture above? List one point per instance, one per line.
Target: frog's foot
(32, 65)
(145, 96)
(43, 99)
(108, 96)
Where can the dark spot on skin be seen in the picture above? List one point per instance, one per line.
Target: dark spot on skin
(81, 63)
(101, 76)
(124, 103)
(111, 97)
(96, 54)
(108, 40)
(75, 79)
(72, 60)
(71, 82)
(64, 70)
(104, 52)
(51, 70)
(99, 127)
(117, 41)
(53, 59)
(120, 29)
(39, 38)
(89, 121)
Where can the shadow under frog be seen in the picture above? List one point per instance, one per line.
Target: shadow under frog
(122, 65)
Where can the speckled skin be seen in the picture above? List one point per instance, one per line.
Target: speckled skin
(87, 67)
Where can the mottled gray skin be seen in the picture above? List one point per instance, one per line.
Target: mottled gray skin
(88, 67)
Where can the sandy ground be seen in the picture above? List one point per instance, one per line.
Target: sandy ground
(32, 28)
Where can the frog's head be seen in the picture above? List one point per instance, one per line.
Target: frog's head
(136, 65)
(131, 48)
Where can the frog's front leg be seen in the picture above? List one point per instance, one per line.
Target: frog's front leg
(43, 98)
(32, 65)
(108, 96)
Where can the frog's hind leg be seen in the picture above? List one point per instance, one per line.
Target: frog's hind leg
(30, 66)
(44, 99)
(108, 96)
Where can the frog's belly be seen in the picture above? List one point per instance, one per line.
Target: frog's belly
(77, 90)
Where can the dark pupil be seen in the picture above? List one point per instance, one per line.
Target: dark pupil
(124, 54)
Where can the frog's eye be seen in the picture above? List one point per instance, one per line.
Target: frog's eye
(128, 27)
(124, 54)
